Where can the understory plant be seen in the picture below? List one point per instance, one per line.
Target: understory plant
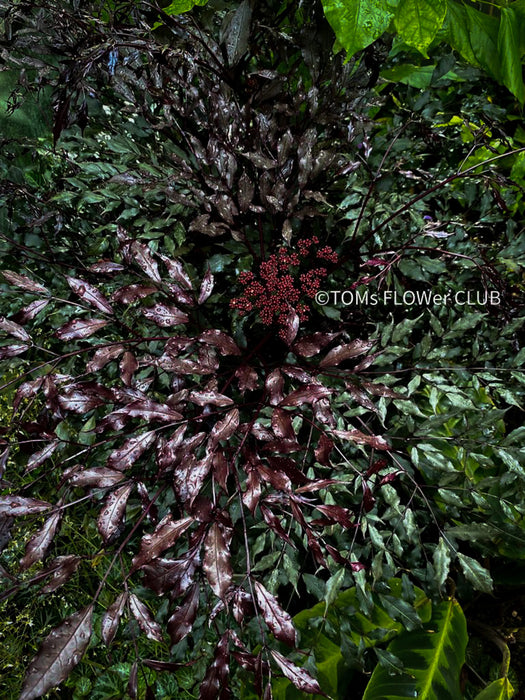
(200, 447)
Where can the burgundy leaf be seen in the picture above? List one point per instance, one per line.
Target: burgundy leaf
(214, 686)
(216, 564)
(382, 390)
(19, 505)
(181, 621)
(164, 536)
(274, 386)
(59, 654)
(112, 513)
(29, 312)
(246, 192)
(102, 477)
(40, 457)
(143, 616)
(274, 523)
(251, 496)
(123, 457)
(309, 345)
(298, 676)
(189, 480)
(143, 256)
(277, 479)
(24, 282)
(183, 366)
(106, 267)
(201, 398)
(368, 499)
(242, 605)
(297, 373)
(290, 325)
(337, 514)
(366, 362)
(27, 390)
(376, 467)
(306, 394)
(323, 412)
(14, 329)
(150, 411)
(128, 366)
(277, 619)
(247, 378)
(167, 449)
(316, 485)
(323, 450)
(132, 686)
(81, 398)
(220, 340)
(12, 350)
(221, 468)
(172, 575)
(282, 424)
(132, 292)
(62, 569)
(375, 441)
(80, 328)
(206, 287)
(224, 429)
(104, 355)
(176, 271)
(345, 352)
(289, 467)
(165, 316)
(181, 296)
(38, 545)
(90, 294)
(111, 619)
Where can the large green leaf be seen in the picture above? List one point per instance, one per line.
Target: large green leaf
(418, 21)
(498, 690)
(432, 659)
(357, 23)
(509, 52)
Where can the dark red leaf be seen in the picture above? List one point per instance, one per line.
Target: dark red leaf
(337, 514)
(181, 621)
(143, 256)
(19, 505)
(81, 398)
(40, 457)
(323, 450)
(128, 366)
(59, 654)
(274, 385)
(290, 325)
(62, 569)
(216, 563)
(289, 467)
(201, 398)
(214, 686)
(164, 536)
(12, 350)
(298, 676)
(310, 345)
(375, 441)
(382, 390)
(110, 518)
(14, 329)
(90, 294)
(24, 282)
(94, 476)
(111, 619)
(104, 355)
(143, 616)
(123, 457)
(206, 288)
(252, 494)
(221, 468)
(80, 328)
(172, 575)
(277, 619)
(345, 352)
(306, 394)
(176, 271)
(165, 316)
(38, 545)
(277, 479)
(274, 523)
(220, 340)
(224, 429)
(247, 378)
(282, 424)
(132, 292)
(151, 411)
(29, 312)
(376, 467)
(132, 681)
(106, 267)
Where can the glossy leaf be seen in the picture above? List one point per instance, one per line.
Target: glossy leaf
(497, 690)
(181, 621)
(24, 282)
(206, 287)
(123, 457)
(59, 654)
(216, 563)
(20, 505)
(298, 676)
(90, 294)
(165, 316)
(277, 619)
(80, 328)
(357, 24)
(112, 513)
(14, 329)
(143, 616)
(38, 545)
(165, 535)
(418, 21)
(111, 619)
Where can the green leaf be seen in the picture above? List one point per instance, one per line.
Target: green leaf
(418, 22)
(441, 561)
(476, 574)
(497, 690)
(177, 7)
(357, 23)
(509, 53)
(432, 659)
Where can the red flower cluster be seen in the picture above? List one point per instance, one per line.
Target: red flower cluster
(274, 292)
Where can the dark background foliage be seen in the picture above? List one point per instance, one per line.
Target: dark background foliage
(180, 478)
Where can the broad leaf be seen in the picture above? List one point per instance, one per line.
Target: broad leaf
(418, 21)
(111, 619)
(357, 23)
(298, 676)
(432, 659)
(277, 619)
(112, 513)
(216, 564)
(143, 616)
(497, 690)
(165, 535)
(59, 654)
